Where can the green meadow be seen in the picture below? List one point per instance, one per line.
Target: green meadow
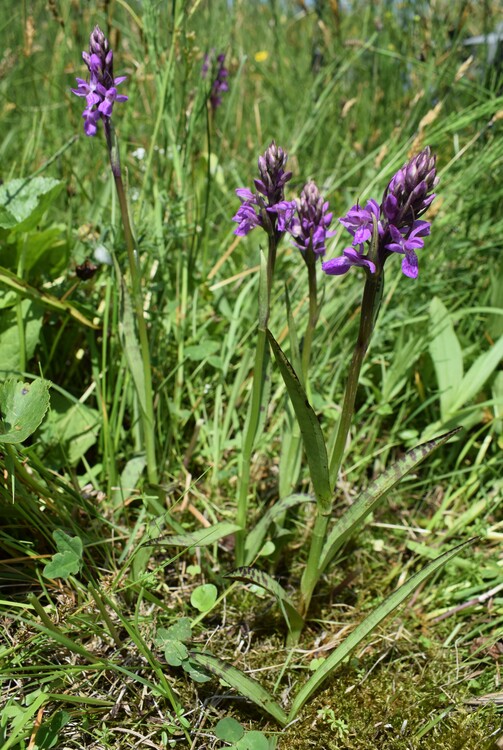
(172, 393)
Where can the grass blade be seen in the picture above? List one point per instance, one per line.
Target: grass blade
(200, 538)
(368, 625)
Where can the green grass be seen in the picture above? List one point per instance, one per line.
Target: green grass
(349, 93)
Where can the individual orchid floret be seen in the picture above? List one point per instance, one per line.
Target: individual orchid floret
(407, 244)
(267, 207)
(360, 221)
(100, 92)
(310, 228)
(350, 257)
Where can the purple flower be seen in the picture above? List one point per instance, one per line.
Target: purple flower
(395, 221)
(310, 228)
(267, 207)
(351, 257)
(219, 85)
(100, 91)
(408, 194)
(360, 221)
(407, 244)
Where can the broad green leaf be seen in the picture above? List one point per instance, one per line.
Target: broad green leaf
(479, 372)
(314, 444)
(180, 630)
(22, 407)
(294, 620)
(70, 429)
(374, 493)
(255, 538)
(16, 350)
(204, 597)
(26, 200)
(229, 730)
(368, 625)
(446, 354)
(246, 686)
(199, 352)
(200, 538)
(253, 740)
(68, 558)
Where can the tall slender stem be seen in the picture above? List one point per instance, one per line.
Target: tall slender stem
(371, 299)
(257, 405)
(147, 413)
(314, 311)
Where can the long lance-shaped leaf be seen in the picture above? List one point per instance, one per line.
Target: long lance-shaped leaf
(312, 437)
(293, 619)
(375, 492)
(199, 538)
(256, 536)
(14, 282)
(246, 686)
(368, 625)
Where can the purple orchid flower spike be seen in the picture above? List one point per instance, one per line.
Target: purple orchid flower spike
(310, 229)
(393, 226)
(220, 84)
(100, 92)
(266, 207)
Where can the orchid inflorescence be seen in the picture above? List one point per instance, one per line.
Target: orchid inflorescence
(219, 85)
(100, 91)
(395, 223)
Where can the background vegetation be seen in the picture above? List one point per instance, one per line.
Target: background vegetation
(349, 91)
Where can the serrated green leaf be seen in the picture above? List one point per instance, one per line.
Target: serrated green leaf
(375, 492)
(204, 597)
(68, 558)
(246, 686)
(23, 407)
(294, 620)
(26, 200)
(312, 436)
(201, 538)
(368, 625)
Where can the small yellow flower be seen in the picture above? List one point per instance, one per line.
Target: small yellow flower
(261, 55)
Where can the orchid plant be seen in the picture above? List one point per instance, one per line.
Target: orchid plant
(378, 232)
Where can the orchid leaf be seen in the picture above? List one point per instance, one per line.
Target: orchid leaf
(312, 436)
(375, 492)
(294, 620)
(246, 686)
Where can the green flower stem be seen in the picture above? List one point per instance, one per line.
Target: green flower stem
(371, 300)
(257, 405)
(314, 311)
(147, 415)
